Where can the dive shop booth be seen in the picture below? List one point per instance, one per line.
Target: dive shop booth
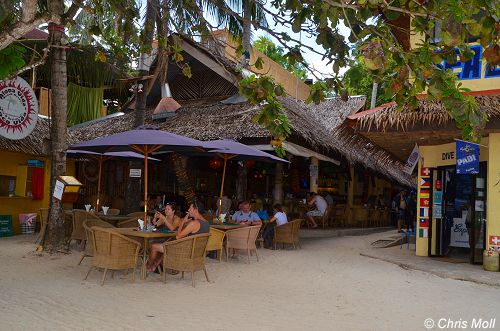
(455, 183)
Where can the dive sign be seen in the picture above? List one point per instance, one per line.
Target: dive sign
(467, 157)
(18, 109)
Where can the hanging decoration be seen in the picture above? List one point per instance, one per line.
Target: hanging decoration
(18, 109)
(250, 164)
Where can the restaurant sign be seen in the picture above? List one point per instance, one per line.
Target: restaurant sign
(467, 157)
(18, 109)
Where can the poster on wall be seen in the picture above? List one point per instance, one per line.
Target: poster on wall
(18, 109)
(467, 157)
(459, 236)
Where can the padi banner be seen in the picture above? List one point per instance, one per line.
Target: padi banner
(467, 158)
(412, 160)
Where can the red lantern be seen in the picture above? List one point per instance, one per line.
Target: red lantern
(215, 163)
(250, 164)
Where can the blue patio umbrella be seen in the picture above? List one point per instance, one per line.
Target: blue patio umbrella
(229, 150)
(146, 141)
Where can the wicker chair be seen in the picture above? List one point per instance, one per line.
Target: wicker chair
(113, 251)
(137, 214)
(216, 242)
(130, 223)
(89, 247)
(288, 233)
(325, 219)
(243, 238)
(78, 233)
(186, 255)
(113, 212)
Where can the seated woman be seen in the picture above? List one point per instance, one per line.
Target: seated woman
(193, 223)
(167, 221)
(278, 219)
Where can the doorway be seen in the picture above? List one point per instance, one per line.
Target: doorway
(458, 223)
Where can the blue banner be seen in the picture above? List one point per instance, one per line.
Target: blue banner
(467, 157)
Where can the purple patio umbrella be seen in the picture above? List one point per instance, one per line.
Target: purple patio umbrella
(101, 158)
(145, 140)
(230, 149)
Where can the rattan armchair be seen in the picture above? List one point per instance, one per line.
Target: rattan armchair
(78, 233)
(288, 233)
(137, 214)
(89, 247)
(113, 251)
(186, 255)
(130, 223)
(113, 212)
(216, 242)
(325, 219)
(243, 239)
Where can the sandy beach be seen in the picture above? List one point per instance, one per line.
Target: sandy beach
(325, 286)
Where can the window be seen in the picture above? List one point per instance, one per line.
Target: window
(7, 185)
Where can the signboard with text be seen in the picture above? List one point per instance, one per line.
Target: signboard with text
(467, 158)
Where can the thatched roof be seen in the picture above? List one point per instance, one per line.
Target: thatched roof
(332, 112)
(429, 112)
(33, 144)
(208, 120)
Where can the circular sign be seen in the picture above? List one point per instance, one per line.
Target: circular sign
(18, 109)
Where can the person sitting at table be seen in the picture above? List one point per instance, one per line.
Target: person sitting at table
(278, 219)
(246, 216)
(166, 221)
(320, 203)
(193, 223)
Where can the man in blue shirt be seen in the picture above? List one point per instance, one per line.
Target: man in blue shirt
(246, 216)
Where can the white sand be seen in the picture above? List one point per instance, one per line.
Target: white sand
(326, 285)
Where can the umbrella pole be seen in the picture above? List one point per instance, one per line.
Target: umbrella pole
(100, 160)
(145, 185)
(222, 185)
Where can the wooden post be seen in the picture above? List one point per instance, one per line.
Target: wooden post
(314, 171)
(278, 183)
(350, 196)
(225, 157)
(100, 160)
(145, 185)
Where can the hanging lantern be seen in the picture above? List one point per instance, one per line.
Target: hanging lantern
(250, 164)
(215, 163)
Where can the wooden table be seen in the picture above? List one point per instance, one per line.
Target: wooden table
(113, 219)
(133, 232)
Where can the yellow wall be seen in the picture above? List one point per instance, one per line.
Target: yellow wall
(493, 190)
(22, 205)
(294, 87)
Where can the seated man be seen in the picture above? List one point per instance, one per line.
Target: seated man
(320, 203)
(246, 216)
(278, 219)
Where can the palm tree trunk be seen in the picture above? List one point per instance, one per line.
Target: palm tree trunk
(247, 25)
(54, 238)
(185, 184)
(242, 182)
(149, 28)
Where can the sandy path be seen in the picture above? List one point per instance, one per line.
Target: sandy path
(326, 285)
